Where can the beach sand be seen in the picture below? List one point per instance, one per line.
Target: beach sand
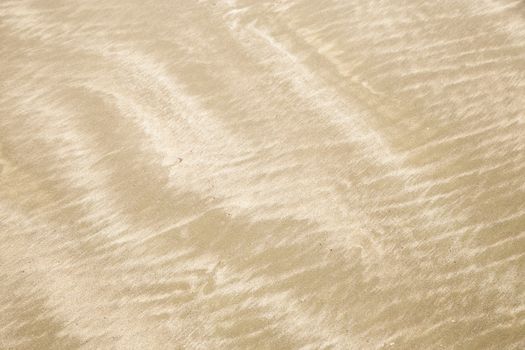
(256, 174)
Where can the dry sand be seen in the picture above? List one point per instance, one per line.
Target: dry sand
(262, 174)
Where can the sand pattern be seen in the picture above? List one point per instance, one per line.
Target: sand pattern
(262, 174)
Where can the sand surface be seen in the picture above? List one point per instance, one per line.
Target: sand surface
(262, 174)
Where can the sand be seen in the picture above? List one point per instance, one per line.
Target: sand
(256, 174)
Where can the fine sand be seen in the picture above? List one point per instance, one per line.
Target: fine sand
(262, 174)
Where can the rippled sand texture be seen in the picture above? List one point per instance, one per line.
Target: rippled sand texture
(249, 174)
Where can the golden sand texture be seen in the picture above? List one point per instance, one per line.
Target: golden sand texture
(262, 174)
